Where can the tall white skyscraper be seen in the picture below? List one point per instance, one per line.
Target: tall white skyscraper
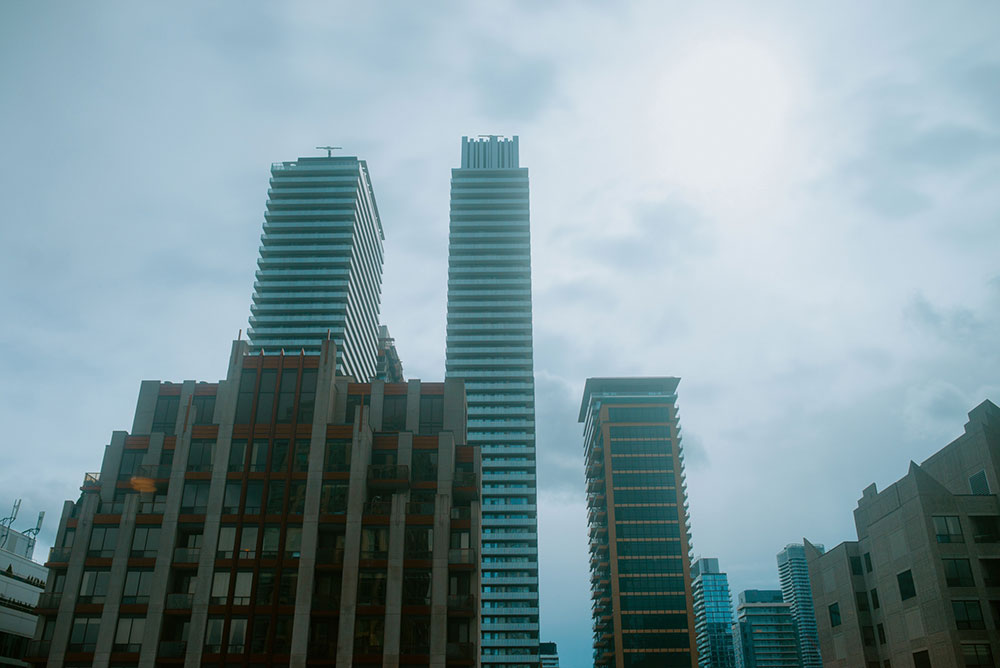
(793, 572)
(489, 345)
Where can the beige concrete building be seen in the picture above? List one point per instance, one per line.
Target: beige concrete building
(921, 585)
(285, 516)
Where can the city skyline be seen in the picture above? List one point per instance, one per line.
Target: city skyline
(819, 268)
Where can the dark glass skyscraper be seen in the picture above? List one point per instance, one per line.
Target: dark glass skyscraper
(489, 347)
(320, 266)
(713, 615)
(640, 576)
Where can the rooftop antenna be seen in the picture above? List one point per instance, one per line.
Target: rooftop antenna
(329, 149)
(6, 522)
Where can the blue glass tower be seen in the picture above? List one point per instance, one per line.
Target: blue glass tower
(489, 346)
(713, 615)
(320, 265)
(793, 572)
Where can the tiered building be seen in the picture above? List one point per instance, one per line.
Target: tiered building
(489, 346)
(21, 582)
(639, 534)
(319, 274)
(793, 574)
(921, 585)
(713, 615)
(285, 516)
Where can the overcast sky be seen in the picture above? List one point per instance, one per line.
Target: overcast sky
(793, 209)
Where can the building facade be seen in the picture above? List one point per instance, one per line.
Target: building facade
(637, 515)
(921, 585)
(793, 574)
(489, 346)
(319, 274)
(549, 654)
(764, 633)
(713, 615)
(21, 583)
(285, 516)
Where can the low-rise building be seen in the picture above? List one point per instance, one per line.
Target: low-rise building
(21, 582)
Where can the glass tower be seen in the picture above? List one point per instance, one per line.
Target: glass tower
(713, 615)
(320, 268)
(793, 572)
(764, 632)
(489, 346)
(640, 578)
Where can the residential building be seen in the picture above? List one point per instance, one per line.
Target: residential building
(921, 585)
(549, 654)
(640, 574)
(388, 367)
(793, 574)
(319, 274)
(489, 347)
(764, 633)
(713, 614)
(21, 582)
(283, 516)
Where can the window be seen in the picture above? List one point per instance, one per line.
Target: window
(333, 498)
(138, 584)
(248, 542)
(371, 587)
(431, 414)
(287, 585)
(394, 413)
(275, 497)
(418, 543)
(861, 599)
(265, 395)
(875, 602)
(415, 635)
(286, 396)
(204, 408)
(374, 543)
(297, 497)
(244, 399)
(255, 494)
(237, 456)
(200, 455)
(242, 587)
(227, 542)
(307, 396)
(145, 542)
(194, 500)
(834, 610)
(213, 634)
(265, 586)
(83, 636)
(258, 639)
(968, 615)
(165, 414)
(368, 634)
(293, 542)
(978, 484)
(220, 587)
(269, 547)
(868, 562)
(881, 634)
(416, 587)
(326, 595)
(338, 455)
(985, 528)
(279, 456)
(231, 497)
(906, 588)
(128, 636)
(355, 402)
(258, 456)
(948, 529)
(868, 635)
(300, 463)
(922, 659)
(855, 565)
(102, 542)
(282, 634)
(977, 655)
(131, 459)
(425, 465)
(958, 573)
(94, 586)
(237, 635)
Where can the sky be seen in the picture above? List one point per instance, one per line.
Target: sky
(791, 206)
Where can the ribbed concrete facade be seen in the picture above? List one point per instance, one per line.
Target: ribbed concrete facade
(489, 346)
(283, 517)
(793, 574)
(320, 265)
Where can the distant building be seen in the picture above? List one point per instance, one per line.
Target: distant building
(319, 273)
(921, 585)
(548, 653)
(337, 522)
(640, 576)
(387, 365)
(21, 582)
(764, 632)
(713, 615)
(793, 573)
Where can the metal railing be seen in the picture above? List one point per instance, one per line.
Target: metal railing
(462, 556)
(187, 555)
(378, 508)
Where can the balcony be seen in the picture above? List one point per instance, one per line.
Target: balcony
(187, 555)
(171, 649)
(462, 556)
(49, 601)
(461, 651)
(179, 602)
(465, 486)
(381, 508)
(388, 476)
(59, 555)
(329, 556)
(420, 508)
(38, 649)
(461, 513)
(462, 602)
(91, 482)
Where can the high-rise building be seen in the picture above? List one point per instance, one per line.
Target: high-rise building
(713, 614)
(793, 574)
(764, 633)
(489, 347)
(21, 582)
(319, 274)
(549, 654)
(920, 585)
(388, 366)
(639, 536)
(283, 516)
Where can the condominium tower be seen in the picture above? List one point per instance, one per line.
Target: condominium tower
(285, 516)
(489, 347)
(764, 632)
(640, 575)
(319, 274)
(713, 614)
(793, 574)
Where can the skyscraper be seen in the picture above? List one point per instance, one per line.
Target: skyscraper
(793, 573)
(640, 577)
(713, 615)
(489, 346)
(334, 523)
(320, 265)
(764, 632)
